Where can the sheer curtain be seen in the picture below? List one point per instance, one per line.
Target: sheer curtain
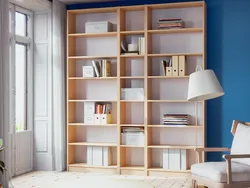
(4, 86)
(59, 77)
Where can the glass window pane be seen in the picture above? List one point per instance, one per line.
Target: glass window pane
(20, 87)
(21, 24)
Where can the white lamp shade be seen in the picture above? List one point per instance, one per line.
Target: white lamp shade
(204, 85)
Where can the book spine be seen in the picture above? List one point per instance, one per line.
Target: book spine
(96, 69)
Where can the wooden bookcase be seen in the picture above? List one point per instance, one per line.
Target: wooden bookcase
(161, 94)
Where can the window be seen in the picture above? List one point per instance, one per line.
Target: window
(21, 63)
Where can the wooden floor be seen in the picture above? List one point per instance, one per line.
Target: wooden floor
(39, 179)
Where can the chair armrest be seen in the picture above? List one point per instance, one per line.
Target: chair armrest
(211, 149)
(200, 150)
(229, 164)
(234, 156)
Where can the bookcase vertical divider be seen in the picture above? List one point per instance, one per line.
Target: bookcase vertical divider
(120, 24)
(145, 89)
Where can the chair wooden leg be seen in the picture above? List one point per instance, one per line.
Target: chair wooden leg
(194, 184)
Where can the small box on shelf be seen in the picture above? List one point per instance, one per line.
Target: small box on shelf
(133, 136)
(89, 118)
(89, 107)
(98, 27)
(88, 71)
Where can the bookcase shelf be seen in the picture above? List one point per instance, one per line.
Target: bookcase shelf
(132, 32)
(167, 170)
(185, 30)
(170, 146)
(132, 77)
(97, 125)
(91, 57)
(92, 78)
(80, 35)
(132, 56)
(169, 126)
(174, 54)
(167, 77)
(132, 168)
(131, 146)
(90, 144)
(168, 101)
(91, 166)
(131, 73)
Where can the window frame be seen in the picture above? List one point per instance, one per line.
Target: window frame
(28, 42)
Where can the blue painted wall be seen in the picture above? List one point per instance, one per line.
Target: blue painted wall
(228, 54)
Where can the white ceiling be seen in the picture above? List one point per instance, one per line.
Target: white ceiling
(83, 1)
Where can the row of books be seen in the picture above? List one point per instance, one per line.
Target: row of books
(103, 108)
(171, 23)
(176, 119)
(102, 68)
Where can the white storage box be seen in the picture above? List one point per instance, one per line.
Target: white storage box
(89, 107)
(89, 118)
(98, 27)
(106, 118)
(133, 139)
(132, 94)
(97, 119)
(88, 71)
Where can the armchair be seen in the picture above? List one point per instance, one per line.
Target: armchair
(234, 172)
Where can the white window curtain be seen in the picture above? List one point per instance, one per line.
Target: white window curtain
(59, 77)
(4, 87)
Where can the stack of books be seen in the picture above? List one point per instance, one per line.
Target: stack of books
(136, 130)
(102, 68)
(171, 23)
(176, 119)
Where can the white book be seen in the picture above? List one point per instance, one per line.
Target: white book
(97, 155)
(106, 156)
(89, 155)
(165, 158)
(183, 159)
(174, 159)
(96, 69)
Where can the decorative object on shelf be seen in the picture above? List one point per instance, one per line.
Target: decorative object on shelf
(171, 23)
(98, 27)
(88, 71)
(133, 49)
(203, 85)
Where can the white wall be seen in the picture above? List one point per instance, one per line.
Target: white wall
(42, 92)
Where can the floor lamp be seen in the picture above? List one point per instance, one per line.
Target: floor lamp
(203, 85)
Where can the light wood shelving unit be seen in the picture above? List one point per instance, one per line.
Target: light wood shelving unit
(161, 94)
